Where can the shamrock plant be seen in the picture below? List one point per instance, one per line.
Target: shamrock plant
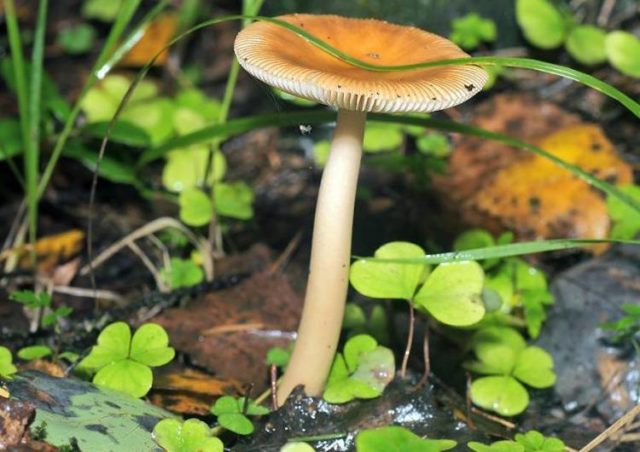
(182, 273)
(361, 371)
(398, 438)
(471, 30)
(625, 329)
(42, 300)
(531, 441)
(546, 26)
(503, 355)
(7, 367)
(233, 414)
(626, 221)
(192, 435)
(122, 362)
(450, 293)
(517, 285)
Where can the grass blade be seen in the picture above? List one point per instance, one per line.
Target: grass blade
(32, 150)
(501, 251)
(125, 14)
(287, 119)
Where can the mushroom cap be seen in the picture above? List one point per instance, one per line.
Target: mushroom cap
(282, 59)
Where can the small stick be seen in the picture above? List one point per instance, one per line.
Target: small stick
(407, 350)
(282, 260)
(87, 293)
(162, 287)
(425, 356)
(605, 12)
(274, 386)
(233, 328)
(613, 428)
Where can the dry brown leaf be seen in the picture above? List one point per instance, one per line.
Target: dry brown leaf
(52, 250)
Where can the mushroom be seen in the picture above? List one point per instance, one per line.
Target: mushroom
(281, 58)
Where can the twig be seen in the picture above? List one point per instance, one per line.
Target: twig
(234, 328)
(425, 356)
(282, 260)
(613, 428)
(149, 228)
(273, 373)
(87, 293)
(166, 258)
(162, 287)
(605, 12)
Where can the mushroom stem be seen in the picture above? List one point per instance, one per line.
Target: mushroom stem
(323, 311)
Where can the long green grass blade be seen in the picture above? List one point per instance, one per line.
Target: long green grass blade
(525, 63)
(32, 151)
(288, 119)
(19, 72)
(125, 14)
(501, 251)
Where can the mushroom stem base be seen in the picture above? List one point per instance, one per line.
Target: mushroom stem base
(323, 311)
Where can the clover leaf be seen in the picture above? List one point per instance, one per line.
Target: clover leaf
(452, 293)
(187, 168)
(534, 441)
(472, 29)
(585, 44)
(6, 363)
(502, 353)
(389, 280)
(394, 438)
(123, 363)
(362, 371)
(623, 52)
(34, 352)
(626, 220)
(542, 24)
(182, 273)
(232, 413)
(31, 299)
(498, 446)
(531, 441)
(233, 200)
(192, 435)
(382, 137)
(195, 207)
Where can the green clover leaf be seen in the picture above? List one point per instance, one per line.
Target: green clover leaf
(231, 414)
(34, 352)
(394, 438)
(498, 446)
(182, 273)
(542, 24)
(472, 29)
(122, 363)
(626, 221)
(195, 207)
(192, 435)
(503, 353)
(234, 200)
(452, 293)
(385, 279)
(502, 394)
(534, 441)
(362, 371)
(6, 362)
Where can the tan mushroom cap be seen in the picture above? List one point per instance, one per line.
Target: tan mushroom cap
(282, 59)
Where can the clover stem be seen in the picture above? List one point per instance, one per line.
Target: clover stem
(407, 350)
(322, 314)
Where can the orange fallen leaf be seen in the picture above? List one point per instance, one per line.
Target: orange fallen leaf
(191, 392)
(52, 250)
(536, 199)
(156, 37)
